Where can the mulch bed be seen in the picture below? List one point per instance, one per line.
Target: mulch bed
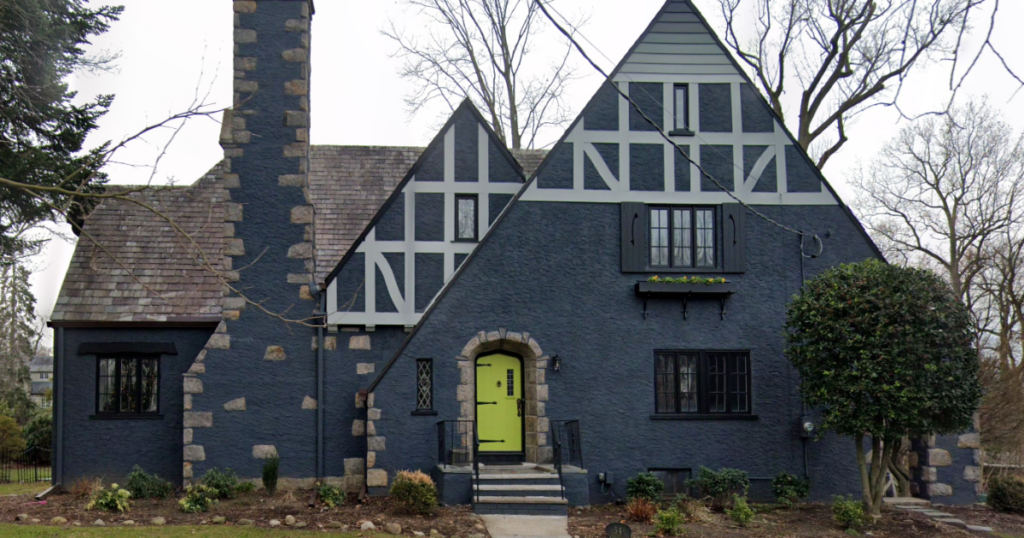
(256, 506)
(808, 520)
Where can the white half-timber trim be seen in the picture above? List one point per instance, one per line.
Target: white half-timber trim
(582, 143)
(374, 250)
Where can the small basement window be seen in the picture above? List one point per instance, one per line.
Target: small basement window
(465, 217)
(128, 386)
(674, 480)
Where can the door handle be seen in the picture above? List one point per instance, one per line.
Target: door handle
(519, 407)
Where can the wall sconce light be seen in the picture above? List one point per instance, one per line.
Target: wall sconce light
(556, 363)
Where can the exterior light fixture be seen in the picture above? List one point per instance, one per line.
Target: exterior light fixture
(556, 363)
(807, 427)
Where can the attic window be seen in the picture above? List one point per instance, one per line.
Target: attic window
(465, 217)
(681, 110)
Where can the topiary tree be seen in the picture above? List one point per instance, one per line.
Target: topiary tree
(883, 352)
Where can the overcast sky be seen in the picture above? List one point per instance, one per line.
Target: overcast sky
(173, 51)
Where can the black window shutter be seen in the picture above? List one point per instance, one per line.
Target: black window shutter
(734, 244)
(634, 237)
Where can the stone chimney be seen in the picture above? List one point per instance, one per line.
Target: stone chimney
(268, 247)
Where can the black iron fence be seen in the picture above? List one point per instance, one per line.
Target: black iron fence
(565, 437)
(455, 440)
(19, 466)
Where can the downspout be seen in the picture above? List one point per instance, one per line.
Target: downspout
(58, 397)
(320, 387)
(804, 439)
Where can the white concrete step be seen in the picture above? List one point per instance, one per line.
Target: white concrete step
(517, 487)
(517, 476)
(524, 499)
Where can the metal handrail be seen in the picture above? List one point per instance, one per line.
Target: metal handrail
(570, 430)
(476, 460)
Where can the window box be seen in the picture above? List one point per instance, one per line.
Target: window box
(645, 290)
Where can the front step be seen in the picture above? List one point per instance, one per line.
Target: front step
(521, 506)
(518, 490)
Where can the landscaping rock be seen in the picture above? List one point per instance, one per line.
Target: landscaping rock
(59, 520)
(275, 523)
(22, 517)
(77, 523)
(218, 520)
(128, 523)
(289, 520)
(300, 524)
(952, 521)
(99, 523)
(367, 526)
(158, 521)
(978, 528)
(394, 528)
(334, 525)
(435, 534)
(34, 520)
(246, 523)
(418, 533)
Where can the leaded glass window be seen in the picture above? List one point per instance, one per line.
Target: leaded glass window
(702, 382)
(424, 383)
(510, 385)
(128, 385)
(465, 218)
(682, 105)
(682, 237)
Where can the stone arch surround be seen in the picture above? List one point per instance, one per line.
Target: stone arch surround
(535, 388)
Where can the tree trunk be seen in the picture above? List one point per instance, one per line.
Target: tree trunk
(899, 467)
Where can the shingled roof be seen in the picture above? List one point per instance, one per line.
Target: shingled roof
(347, 185)
(165, 282)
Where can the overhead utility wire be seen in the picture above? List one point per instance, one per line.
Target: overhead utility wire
(661, 132)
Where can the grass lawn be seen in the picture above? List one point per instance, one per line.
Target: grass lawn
(30, 488)
(40, 531)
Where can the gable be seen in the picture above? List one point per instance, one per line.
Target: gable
(739, 148)
(410, 248)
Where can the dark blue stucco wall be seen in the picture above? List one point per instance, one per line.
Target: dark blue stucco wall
(110, 448)
(715, 102)
(566, 289)
(716, 160)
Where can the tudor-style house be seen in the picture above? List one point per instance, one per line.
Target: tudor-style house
(459, 308)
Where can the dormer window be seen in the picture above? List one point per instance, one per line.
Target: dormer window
(465, 217)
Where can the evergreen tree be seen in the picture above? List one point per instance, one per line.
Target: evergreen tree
(17, 339)
(41, 131)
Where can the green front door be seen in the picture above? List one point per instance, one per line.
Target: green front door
(499, 403)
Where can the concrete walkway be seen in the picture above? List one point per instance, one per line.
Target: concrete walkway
(526, 526)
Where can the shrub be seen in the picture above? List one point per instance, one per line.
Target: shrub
(789, 489)
(691, 509)
(147, 486)
(741, 512)
(270, 473)
(245, 487)
(198, 498)
(414, 492)
(10, 436)
(331, 496)
(222, 484)
(641, 509)
(667, 522)
(85, 487)
(115, 498)
(1006, 494)
(720, 486)
(848, 513)
(644, 485)
(38, 432)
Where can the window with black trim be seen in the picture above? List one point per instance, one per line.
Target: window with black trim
(682, 236)
(128, 386)
(424, 384)
(465, 217)
(681, 101)
(702, 382)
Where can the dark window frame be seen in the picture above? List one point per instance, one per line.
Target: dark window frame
(424, 410)
(716, 261)
(476, 217)
(668, 492)
(681, 130)
(138, 413)
(704, 384)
